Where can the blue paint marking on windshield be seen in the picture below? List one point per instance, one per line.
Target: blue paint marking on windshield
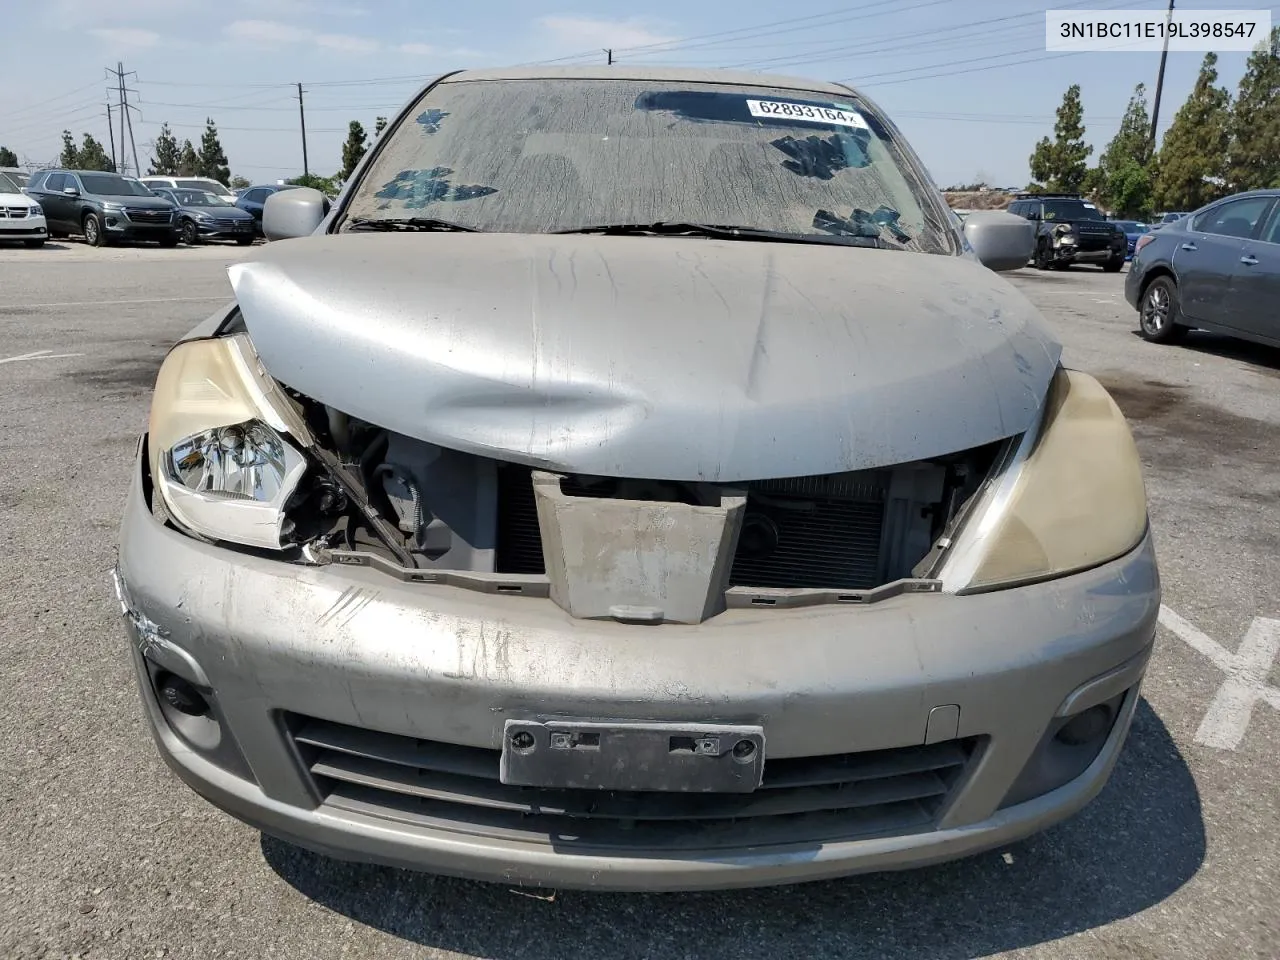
(417, 188)
(430, 120)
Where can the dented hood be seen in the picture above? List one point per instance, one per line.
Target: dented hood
(664, 358)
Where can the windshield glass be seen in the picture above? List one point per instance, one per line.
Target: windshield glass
(540, 156)
(113, 185)
(1071, 210)
(198, 198)
(7, 184)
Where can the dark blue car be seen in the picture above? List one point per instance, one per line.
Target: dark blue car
(253, 200)
(206, 216)
(1133, 229)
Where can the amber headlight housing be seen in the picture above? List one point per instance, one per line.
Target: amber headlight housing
(221, 455)
(1069, 497)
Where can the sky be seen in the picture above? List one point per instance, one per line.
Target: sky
(968, 81)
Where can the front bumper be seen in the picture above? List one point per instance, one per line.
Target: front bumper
(425, 667)
(120, 227)
(23, 228)
(222, 231)
(1071, 253)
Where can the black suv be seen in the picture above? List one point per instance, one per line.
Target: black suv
(102, 207)
(1070, 229)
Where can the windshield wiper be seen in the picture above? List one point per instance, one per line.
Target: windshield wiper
(724, 232)
(425, 224)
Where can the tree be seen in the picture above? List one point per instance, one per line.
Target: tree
(1060, 164)
(70, 156)
(317, 182)
(1124, 166)
(92, 156)
(354, 148)
(188, 161)
(8, 158)
(239, 183)
(1193, 152)
(167, 154)
(379, 124)
(212, 161)
(1253, 158)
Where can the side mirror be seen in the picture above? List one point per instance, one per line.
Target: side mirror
(1002, 241)
(289, 214)
(71, 191)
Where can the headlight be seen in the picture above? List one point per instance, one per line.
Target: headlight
(1070, 498)
(110, 207)
(1062, 228)
(201, 215)
(221, 458)
(36, 210)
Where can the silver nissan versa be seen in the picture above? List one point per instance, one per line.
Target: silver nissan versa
(636, 479)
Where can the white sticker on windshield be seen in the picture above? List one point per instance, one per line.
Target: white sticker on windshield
(781, 110)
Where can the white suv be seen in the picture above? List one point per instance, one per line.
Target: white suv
(207, 184)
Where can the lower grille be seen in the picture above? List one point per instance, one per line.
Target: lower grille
(821, 532)
(148, 216)
(802, 800)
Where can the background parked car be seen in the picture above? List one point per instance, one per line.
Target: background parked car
(1216, 269)
(21, 217)
(1163, 219)
(1070, 229)
(1133, 229)
(102, 207)
(204, 216)
(252, 200)
(207, 184)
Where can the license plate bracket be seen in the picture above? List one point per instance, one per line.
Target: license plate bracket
(633, 756)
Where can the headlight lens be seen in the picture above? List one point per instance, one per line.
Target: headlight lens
(110, 207)
(1062, 228)
(221, 459)
(1072, 498)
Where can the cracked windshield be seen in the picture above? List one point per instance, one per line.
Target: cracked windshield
(544, 157)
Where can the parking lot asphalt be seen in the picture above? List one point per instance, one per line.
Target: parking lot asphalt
(105, 854)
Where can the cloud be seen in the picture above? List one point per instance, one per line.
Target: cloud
(418, 49)
(272, 32)
(127, 36)
(585, 32)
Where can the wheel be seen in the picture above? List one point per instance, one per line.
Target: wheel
(1114, 265)
(188, 232)
(244, 241)
(1158, 312)
(170, 241)
(1044, 257)
(93, 234)
(33, 244)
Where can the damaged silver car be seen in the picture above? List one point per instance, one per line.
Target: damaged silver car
(636, 479)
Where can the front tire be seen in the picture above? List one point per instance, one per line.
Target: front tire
(1044, 257)
(1158, 312)
(189, 234)
(93, 234)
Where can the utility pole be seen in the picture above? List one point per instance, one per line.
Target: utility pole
(302, 121)
(609, 54)
(112, 134)
(1164, 55)
(124, 165)
(124, 105)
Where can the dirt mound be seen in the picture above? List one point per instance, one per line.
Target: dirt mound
(978, 200)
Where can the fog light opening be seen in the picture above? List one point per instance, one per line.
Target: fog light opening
(181, 695)
(1087, 726)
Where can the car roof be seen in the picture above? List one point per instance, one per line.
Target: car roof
(672, 74)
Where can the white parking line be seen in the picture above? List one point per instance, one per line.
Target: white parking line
(39, 355)
(113, 303)
(1227, 720)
